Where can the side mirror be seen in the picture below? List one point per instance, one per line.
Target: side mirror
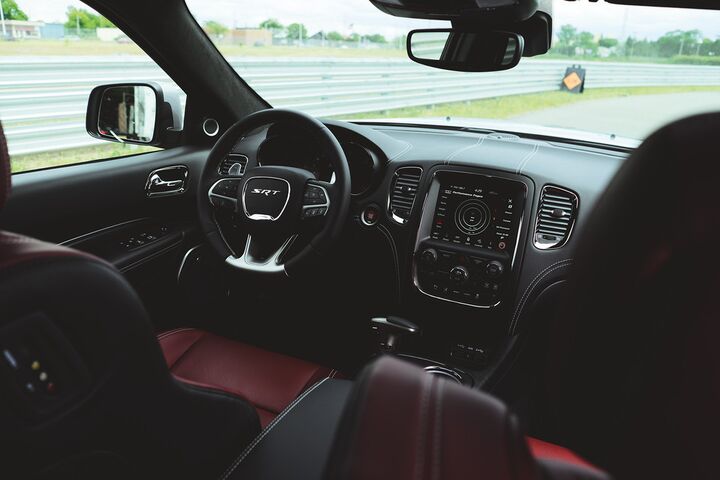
(450, 49)
(136, 113)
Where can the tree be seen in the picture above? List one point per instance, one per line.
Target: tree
(586, 41)
(296, 31)
(376, 38)
(334, 36)
(679, 42)
(79, 17)
(608, 42)
(11, 11)
(271, 24)
(215, 28)
(567, 37)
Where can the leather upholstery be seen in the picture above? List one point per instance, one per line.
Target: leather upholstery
(402, 423)
(5, 177)
(116, 411)
(633, 377)
(268, 380)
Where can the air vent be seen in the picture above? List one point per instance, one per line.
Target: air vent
(404, 190)
(556, 217)
(233, 165)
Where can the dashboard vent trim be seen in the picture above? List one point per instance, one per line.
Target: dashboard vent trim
(229, 164)
(403, 192)
(556, 217)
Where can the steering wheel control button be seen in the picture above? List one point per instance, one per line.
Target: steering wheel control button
(314, 212)
(370, 215)
(314, 195)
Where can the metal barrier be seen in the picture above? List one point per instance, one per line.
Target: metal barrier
(43, 99)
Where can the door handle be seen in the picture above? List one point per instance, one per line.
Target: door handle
(156, 181)
(167, 181)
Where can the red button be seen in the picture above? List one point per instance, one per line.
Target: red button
(50, 388)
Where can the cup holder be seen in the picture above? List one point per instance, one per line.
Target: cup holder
(444, 373)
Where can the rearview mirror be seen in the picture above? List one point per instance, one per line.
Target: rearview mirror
(450, 49)
(137, 113)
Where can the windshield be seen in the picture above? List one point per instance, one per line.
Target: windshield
(643, 67)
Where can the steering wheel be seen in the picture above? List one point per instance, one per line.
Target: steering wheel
(273, 205)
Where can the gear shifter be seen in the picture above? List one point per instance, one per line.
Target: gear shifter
(390, 329)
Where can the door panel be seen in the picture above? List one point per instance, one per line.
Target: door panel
(103, 208)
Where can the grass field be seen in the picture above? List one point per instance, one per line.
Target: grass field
(498, 108)
(24, 163)
(508, 107)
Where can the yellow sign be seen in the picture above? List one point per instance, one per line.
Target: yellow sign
(572, 81)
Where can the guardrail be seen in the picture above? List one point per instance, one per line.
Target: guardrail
(43, 99)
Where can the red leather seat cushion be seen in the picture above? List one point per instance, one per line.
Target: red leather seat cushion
(268, 380)
(549, 451)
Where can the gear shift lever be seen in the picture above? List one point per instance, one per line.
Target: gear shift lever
(390, 329)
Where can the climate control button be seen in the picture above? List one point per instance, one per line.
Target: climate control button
(494, 269)
(459, 274)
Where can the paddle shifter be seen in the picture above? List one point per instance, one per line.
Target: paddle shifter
(390, 330)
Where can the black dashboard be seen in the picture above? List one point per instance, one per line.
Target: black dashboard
(478, 224)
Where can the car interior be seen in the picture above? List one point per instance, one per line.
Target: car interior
(273, 295)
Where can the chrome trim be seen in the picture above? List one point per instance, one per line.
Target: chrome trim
(210, 132)
(155, 179)
(325, 205)
(184, 259)
(210, 194)
(427, 217)
(576, 207)
(444, 372)
(394, 217)
(271, 265)
(263, 217)
(100, 230)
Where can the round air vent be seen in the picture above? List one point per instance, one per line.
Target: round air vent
(210, 127)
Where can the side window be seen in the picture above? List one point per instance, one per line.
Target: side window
(52, 54)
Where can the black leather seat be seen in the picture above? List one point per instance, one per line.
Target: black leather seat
(633, 378)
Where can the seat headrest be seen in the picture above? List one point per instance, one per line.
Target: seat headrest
(5, 176)
(633, 374)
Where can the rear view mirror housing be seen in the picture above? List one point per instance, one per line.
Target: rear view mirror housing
(451, 49)
(139, 113)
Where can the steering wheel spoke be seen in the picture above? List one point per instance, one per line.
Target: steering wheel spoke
(255, 257)
(316, 199)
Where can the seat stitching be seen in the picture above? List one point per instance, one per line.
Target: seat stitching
(420, 445)
(267, 430)
(437, 434)
(531, 285)
(170, 333)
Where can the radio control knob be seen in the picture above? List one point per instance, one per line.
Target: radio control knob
(429, 256)
(459, 274)
(494, 269)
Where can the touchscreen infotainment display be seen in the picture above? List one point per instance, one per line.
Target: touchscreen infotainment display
(478, 211)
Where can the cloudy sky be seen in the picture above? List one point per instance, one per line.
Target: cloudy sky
(360, 16)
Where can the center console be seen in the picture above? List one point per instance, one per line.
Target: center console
(468, 236)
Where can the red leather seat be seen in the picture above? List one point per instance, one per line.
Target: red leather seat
(268, 380)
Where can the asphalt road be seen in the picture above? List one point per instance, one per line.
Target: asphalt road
(632, 117)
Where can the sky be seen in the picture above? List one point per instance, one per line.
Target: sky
(348, 16)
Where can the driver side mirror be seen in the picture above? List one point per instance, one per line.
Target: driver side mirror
(136, 113)
(450, 49)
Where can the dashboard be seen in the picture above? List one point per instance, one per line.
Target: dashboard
(462, 231)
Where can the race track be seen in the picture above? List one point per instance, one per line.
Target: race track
(632, 117)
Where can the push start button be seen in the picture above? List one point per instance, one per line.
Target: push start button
(370, 215)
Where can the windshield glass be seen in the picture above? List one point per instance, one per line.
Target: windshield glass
(643, 67)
